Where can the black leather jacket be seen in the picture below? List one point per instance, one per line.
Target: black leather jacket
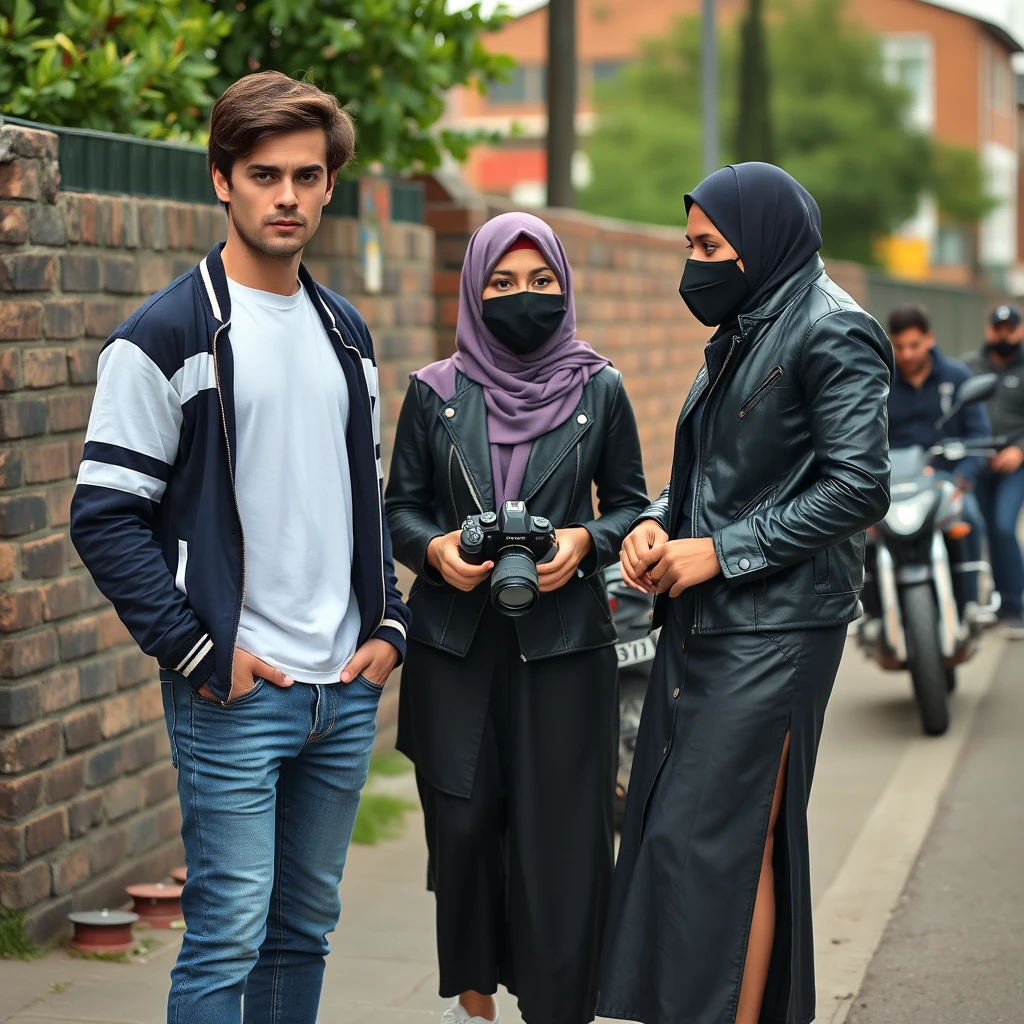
(793, 462)
(441, 473)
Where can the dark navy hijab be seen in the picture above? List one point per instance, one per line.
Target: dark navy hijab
(768, 217)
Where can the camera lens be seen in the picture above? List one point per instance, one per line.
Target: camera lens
(514, 586)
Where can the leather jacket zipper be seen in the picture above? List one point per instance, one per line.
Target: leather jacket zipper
(469, 483)
(763, 389)
(698, 455)
(576, 483)
(234, 495)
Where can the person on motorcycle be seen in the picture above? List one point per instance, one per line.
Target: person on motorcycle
(1001, 483)
(923, 390)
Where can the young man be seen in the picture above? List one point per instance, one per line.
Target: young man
(923, 390)
(1001, 484)
(229, 505)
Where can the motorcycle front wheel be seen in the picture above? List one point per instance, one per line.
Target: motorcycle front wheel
(924, 657)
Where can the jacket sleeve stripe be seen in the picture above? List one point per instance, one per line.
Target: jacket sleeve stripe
(115, 455)
(120, 478)
(394, 624)
(196, 375)
(196, 655)
(135, 406)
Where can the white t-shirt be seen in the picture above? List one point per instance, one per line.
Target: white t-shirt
(294, 486)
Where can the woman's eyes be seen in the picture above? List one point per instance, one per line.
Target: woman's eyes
(502, 284)
(709, 248)
(542, 282)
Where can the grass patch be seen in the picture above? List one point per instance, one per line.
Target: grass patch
(58, 987)
(14, 943)
(381, 816)
(391, 763)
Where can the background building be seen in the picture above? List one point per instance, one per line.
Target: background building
(956, 56)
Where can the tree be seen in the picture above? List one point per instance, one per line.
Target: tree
(754, 121)
(840, 128)
(140, 68)
(155, 67)
(390, 61)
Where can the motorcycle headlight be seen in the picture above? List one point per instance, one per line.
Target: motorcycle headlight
(907, 517)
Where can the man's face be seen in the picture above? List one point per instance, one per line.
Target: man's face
(1012, 333)
(278, 191)
(912, 349)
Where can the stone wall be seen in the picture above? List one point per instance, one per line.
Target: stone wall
(87, 791)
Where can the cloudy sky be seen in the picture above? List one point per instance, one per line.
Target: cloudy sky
(515, 6)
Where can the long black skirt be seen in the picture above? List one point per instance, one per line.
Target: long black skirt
(521, 865)
(707, 758)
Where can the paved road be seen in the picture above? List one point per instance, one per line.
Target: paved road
(954, 950)
(878, 782)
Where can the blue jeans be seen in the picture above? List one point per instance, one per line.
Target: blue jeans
(1001, 497)
(972, 544)
(269, 787)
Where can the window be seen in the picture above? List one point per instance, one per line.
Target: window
(1001, 81)
(908, 62)
(528, 83)
(512, 91)
(606, 69)
(951, 247)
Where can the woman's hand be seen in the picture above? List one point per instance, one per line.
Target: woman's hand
(677, 565)
(573, 546)
(443, 555)
(636, 548)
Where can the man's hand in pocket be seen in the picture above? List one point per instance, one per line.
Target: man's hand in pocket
(247, 668)
(375, 660)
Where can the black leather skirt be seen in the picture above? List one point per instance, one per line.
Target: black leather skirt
(708, 753)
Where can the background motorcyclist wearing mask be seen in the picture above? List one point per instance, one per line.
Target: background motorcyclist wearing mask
(513, 723)
(923, 390)
(756, 552)
(1001, 484)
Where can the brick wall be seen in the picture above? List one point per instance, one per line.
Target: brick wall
(626, 279)
(87, 791)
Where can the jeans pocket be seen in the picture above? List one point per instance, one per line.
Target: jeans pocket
(377, 688)
(228, 705)
(170, 714)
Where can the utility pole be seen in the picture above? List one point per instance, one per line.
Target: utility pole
(561, 101)
(709, 86)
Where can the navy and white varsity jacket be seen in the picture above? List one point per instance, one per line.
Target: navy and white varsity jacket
(154, 516)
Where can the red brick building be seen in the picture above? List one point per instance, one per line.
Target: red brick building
(955, 55)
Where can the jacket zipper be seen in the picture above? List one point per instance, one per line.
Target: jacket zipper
(699, 453)
(234, 495)
(766, 386)
(576, 482)
(451, 484)
(469, 483)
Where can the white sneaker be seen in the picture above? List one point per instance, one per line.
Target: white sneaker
(457, 1015)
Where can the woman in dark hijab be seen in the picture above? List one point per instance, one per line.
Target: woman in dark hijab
(512, 723)
(756, 552)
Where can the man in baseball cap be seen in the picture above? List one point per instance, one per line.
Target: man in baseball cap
(1000, 487)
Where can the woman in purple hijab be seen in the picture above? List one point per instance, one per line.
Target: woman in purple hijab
(508, 703)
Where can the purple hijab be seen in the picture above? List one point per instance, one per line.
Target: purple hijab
(526, 396)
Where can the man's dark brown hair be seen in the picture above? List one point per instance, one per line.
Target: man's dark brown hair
(269, 103)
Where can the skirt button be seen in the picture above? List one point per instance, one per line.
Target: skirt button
(664, 750)
(675, 693)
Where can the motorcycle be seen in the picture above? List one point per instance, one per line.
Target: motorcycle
(916, 618)
(631, 614)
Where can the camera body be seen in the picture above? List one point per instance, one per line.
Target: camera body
(516, 542)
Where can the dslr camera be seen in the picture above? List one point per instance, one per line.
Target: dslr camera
(516, 542)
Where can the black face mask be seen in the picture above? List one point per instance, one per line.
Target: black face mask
(713, 291)
(524, 321)
(1006, 349)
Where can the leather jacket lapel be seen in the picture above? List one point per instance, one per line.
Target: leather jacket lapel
(549, 450)
(465, 419)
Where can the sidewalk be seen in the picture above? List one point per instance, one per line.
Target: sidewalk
(382, 968)
(953, 952)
